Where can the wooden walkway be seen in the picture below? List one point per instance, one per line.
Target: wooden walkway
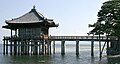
(23, 45)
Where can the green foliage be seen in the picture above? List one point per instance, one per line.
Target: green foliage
(108, 19)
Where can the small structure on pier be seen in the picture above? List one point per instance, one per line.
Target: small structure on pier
(30, 34)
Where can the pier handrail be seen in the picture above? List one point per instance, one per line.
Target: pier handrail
(88, 38)
(77, 37)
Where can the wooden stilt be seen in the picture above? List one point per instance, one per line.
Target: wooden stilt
(15, 48)
(107, 46)
(77, 48)
(11, 43)
(31, 49)
(39, 48)
(100, 47)
(63, 48)
(42, 47)
(50, 47)
(22, 48)
(19, 48)
(36, 49)
(4, 46)
(92, 48)
(45, 48)
(53, 47)
(28, 48)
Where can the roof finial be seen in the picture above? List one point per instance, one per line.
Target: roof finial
(34, 7)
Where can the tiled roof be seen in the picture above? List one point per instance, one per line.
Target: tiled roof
(31, 17)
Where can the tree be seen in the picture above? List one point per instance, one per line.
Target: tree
(108, 19)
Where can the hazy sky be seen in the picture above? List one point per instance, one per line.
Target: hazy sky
(73, 16)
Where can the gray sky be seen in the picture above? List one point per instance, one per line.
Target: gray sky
(73, 16)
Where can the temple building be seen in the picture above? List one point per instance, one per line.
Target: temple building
(31, 34)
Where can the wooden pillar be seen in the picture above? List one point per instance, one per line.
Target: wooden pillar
(22, 48)
(15, 43)
(92, 48)
(63, 48)
(77, 47)
(11, 43)
(25, 48)
(42, 47)
(39, 47)
(108, 48)
(28, 48)
(4, 46)
(45, 48)
(100, 48)
(50, 47)
(31, 48)
(35, 48)
(53, 47)
(19, 48)
(15, 48)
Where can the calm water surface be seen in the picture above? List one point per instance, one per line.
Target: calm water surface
(69, 58)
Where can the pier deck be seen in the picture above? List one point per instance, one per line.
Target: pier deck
(43, 46)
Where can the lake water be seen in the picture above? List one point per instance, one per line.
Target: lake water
(69, 57)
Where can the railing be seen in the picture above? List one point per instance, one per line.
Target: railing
(67, 38)
(77, 37)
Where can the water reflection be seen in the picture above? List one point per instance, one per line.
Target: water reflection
(113, 60)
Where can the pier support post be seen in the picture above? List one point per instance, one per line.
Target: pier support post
(63, 48)
(19, 48)
(77, 48)
(48, 49)
(39, 47)
(108, 48)
(11, 43)
(4, 46)
(50, 46)
(31, 52)
(53, 47)
(35, 48)
(45, 47)
(15, 48)
(28, 47)
(100, 47)
(42, 47)
(25, 48)
(22, 48)
(92, 48)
